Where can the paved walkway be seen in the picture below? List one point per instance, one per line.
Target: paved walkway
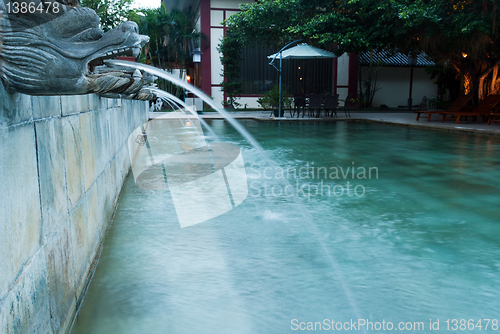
(400, 118)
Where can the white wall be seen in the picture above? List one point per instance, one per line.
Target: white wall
(251, 102)
(227, 4)
(394, 84)
(215, 39)
(197, 102)
(217, 96)
(343, 70)
(216, 18)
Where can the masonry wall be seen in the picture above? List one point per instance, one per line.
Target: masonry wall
(63, 160)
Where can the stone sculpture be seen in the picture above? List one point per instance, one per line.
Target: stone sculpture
(54, 48)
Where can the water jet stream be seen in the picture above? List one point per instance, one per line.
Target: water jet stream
(199, 93)
(169, 98)
(303, 211)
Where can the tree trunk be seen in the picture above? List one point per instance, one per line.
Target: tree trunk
(481, 94)
(493, 88)
(369, 81)
(360, 82)
(462, 74)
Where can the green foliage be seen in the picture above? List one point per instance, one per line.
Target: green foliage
(270, 100)
(111, 12)
(231, 59)
(446, 80)
(439, 103)
(444, 29)
(370, 85)
(363, 25)
(173, 36)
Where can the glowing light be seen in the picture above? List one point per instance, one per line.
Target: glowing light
(188, 123)
(464, 54)
(188, 77)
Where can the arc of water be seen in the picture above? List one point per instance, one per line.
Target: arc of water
(174, 99)
(170, 98)
(307, 216)
(199, 93)
(169, 103)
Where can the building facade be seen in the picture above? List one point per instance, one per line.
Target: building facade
(339, 76)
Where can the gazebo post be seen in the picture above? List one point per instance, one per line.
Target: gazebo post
(279, 70)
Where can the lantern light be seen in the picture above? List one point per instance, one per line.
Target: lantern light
(197, 55)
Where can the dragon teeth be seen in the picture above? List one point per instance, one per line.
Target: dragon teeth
(114, 52)
(137, 74)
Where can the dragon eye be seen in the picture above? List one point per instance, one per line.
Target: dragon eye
(89, 35)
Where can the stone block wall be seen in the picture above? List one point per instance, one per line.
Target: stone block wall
(63, 160)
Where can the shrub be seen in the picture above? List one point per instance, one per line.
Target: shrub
(270, 100)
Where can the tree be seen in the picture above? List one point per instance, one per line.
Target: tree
(111, 12)
(458, 33)
(151, 22)
(182, 36)
(231, 85)
(173, 37)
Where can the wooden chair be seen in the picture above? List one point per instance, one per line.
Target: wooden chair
(456, 106)
(330, 104)
(315, 102)
(493, 117)
(483, 109)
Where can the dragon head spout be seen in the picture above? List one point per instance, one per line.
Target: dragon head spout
(58, 53)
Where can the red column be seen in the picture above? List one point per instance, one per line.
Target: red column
(335, 71)
(352, 82)
(206, 70)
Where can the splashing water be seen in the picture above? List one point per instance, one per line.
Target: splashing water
(169, 98)
(200, 94)
(302, 211)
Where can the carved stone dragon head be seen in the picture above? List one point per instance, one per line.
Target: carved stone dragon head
(44, 52)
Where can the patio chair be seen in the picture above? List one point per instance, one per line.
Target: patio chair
(456, 106)
(299, 103)
(315, 102)
(493, 117)
(346, 104)
(331, 104)
(485, 108)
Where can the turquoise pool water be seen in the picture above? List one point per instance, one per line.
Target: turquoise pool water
(419, 240)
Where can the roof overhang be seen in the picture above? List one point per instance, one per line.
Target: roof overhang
(181, 4)
(394, 58)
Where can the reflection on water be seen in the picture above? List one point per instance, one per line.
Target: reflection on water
(422, 243)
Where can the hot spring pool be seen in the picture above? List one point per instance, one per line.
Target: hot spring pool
(418, 242)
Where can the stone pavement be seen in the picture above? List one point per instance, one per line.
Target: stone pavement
(399, 118)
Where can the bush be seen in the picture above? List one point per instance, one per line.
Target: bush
(271, 99)
(439, 103)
